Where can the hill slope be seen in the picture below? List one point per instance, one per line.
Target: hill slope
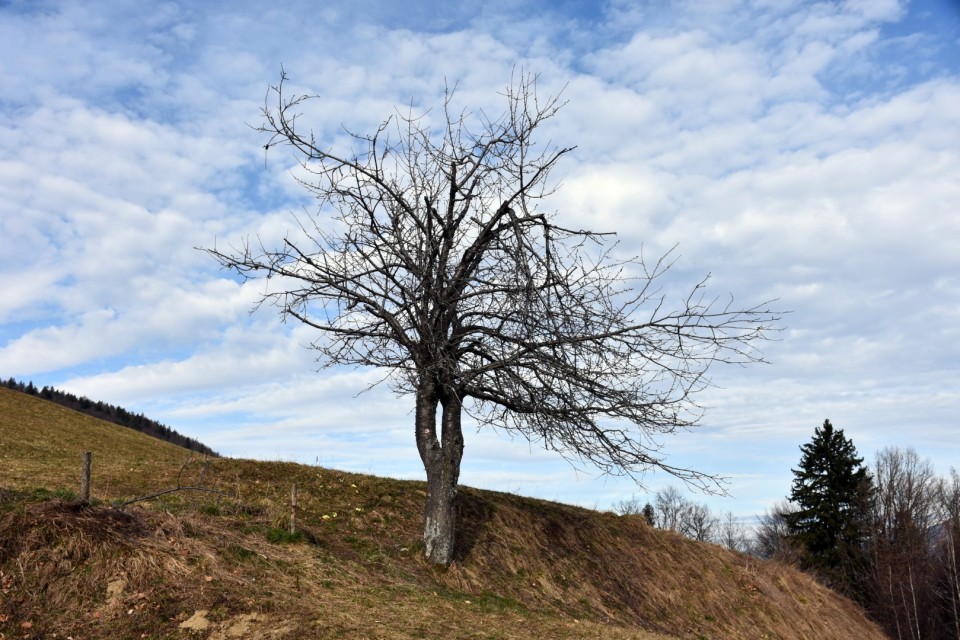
(203, 565)
(110, 413)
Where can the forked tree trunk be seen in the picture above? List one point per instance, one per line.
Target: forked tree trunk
(441, 460)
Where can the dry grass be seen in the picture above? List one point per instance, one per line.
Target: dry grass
(204, 566)
(40, 440)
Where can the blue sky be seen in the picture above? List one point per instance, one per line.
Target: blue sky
(805, 151)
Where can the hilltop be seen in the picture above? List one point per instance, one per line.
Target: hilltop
(111, 413)
(222, 565)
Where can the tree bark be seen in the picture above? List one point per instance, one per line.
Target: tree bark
(441, 460)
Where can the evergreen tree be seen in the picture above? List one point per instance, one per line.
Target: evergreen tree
(649, 514)
(832, 491)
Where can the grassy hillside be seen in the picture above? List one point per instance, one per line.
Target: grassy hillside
(201, 565)
(110, 413)
(41, 444)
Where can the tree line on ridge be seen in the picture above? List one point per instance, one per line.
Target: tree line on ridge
(113, 414)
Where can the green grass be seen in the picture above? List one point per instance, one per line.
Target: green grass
(284, 536)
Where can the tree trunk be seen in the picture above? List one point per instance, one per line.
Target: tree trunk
(441, 460)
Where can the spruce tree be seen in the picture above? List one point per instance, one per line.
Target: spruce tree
(649, 514)
(832, 490)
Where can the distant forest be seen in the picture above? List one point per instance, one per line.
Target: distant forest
(110, 413)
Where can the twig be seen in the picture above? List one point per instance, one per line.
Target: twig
(182, 468)
(166, 491)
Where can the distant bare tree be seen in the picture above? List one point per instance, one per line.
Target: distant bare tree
(429, 258)
(948, 493)
(634, 506)
(947, 550)
(698, 522)
(914, 586)
(670, 507)
(672, 510)
(731, 534)
(772, 538)
(905, 517)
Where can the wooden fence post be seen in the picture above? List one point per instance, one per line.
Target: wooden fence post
(293, 510)
(85, 478)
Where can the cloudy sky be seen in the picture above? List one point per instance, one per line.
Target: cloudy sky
(799, 150)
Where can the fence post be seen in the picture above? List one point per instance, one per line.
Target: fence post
(293, 510)
(85, 478)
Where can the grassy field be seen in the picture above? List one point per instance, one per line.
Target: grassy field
(223, 565)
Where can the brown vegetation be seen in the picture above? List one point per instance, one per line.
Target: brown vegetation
(205, 566)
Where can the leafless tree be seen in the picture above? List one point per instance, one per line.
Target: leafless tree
(674, 511)
(698, 522)
(772, 538)
(428, 257)
(631, 506)
(670, 507)
(634, 506)
(731, 534)
(947, 549)
(948, 493)
(915, 588)
(905, 516)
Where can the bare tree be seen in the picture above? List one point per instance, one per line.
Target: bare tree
(772, 538)
(428, 257)
(731, 534)
(948, 493)
(905, 517)
(947, 548)
(632, 506)
(678, 513)
(698, 522)
(670, 507)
